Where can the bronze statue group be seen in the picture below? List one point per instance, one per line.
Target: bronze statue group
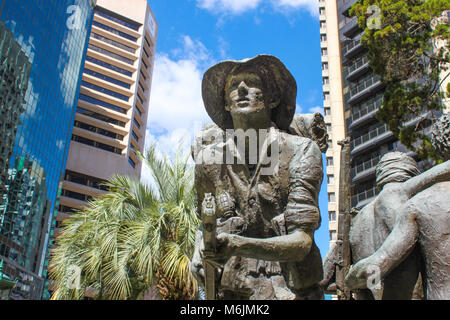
(265, 204)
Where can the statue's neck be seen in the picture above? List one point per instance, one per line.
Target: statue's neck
(261, 133)
(256, 122)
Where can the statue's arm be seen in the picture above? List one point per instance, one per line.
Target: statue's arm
(329, 266)
(416, 184)
(302, 216)
(397, 246)
(197, 262)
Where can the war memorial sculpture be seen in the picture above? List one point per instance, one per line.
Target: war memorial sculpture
(258, 174)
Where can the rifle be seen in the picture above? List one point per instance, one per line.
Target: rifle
(344, 208)
(209, 241)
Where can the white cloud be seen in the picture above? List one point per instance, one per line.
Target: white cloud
(231, 6)
(316, 109)
(240, 6)
(176, 107)
(311, 5)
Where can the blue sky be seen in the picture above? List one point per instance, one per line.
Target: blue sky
(195, 34)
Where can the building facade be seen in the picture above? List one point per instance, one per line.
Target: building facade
(333, 103)
(352, 97)
(42, 48)
(111, 114)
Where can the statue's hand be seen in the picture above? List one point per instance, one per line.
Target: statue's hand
(234, 225)
(357, 276)
(224, 249)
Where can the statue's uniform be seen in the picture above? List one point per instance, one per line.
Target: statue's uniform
(268, 205)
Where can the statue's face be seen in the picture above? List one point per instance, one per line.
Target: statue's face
(244, 94)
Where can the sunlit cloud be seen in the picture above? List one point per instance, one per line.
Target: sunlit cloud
(235, 7)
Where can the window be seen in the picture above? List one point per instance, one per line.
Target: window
(145, 65)
(324, 51)
(85, 180)
(332, 215)
(330, 179)
(324, 65)
(100, 117)
(131, 162)
(102, 103)
(323, 24)
(96, 144)
(140, 98)
(333, 235)
(130, 24)
(323, 37)
(66, 209)
(107, 78)
(148, 42)
(114, 43)
(142, 87)
(330, 144)
(142, 74)
(75, 195)
(326, 95)
(112, 30)
(331, 197)
(325, 80)
(134, 135)
(138, 111)
(105, 91)
(101, 131)
(146, 53)
(329, 127)
(327, 111)
(136, 123)
(110, 54)
(321, 10)
(109, 66)
(329, 161)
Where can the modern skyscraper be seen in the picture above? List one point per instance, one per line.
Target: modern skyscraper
(352, 97)
(42, 48)
(112, 109)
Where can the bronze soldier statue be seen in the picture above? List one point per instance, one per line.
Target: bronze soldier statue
(266, 200)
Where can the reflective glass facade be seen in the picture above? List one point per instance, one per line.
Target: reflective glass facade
(44, 50)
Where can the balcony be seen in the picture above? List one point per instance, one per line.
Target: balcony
(363, 198)
(364, 169)
(365, 112)
(364, 88)
(358, 67)
(350, 29)
(344, 6)
(352, 48)
(373, 137)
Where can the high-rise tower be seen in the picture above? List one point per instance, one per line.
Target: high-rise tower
(42, 49)
(112, 109)
(352, 96)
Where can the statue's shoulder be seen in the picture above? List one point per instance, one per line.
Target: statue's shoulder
(301, 144)
(312, 126)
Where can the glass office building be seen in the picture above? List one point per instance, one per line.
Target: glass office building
(42, 51)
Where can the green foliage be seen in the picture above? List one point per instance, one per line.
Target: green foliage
(132, 237)
(406, 51)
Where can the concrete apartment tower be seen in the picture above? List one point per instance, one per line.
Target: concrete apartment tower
(333, 103)
(352, 96)
(112, 109)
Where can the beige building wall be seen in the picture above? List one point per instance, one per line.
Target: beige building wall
(333, 104)
(118, 75)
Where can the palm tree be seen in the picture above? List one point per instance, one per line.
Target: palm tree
(133, 237)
